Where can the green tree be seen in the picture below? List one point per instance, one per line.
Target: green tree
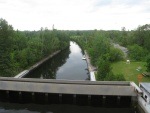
(137, 52)
(6, 35)
(104, 67)
(119, 77)
(148, 63)
(115, 54)
(101, 46)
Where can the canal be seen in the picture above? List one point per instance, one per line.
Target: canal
(58, 108)
(68, 64)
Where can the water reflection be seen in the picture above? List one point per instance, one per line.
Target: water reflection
(68, 64)
(34, 108)
(74, 68)
(48, 69)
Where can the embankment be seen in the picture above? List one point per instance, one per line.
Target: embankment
(25, 72)
(91, 68)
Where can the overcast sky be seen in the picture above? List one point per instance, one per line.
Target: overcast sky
(75, 14)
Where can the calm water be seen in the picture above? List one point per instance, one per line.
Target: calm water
(34, 108)
(66, 65)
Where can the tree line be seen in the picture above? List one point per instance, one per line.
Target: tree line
(99, 45)
(137, 41)
(21, 49)
(102, 52)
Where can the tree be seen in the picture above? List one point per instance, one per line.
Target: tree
(6, 34)
(148, 63)
(104, 68)
(101, 46)
(137, 52)
(115, 54)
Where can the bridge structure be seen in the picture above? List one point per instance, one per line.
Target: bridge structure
(69, 92)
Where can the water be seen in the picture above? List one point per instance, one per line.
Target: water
(34, 108)
(66, 65)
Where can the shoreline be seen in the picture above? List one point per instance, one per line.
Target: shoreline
(91, 68)
(25, 72)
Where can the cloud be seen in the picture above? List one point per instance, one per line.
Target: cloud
(100, 3)
(75, 14)
(2, 1)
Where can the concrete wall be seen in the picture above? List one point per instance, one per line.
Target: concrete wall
(54, 98)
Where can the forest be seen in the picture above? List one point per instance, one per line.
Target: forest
(99, 45)
(21, 49)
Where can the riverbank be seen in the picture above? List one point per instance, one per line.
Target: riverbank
(91, 68)
(25, 72)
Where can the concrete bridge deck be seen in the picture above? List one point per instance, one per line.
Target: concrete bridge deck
(68, 87)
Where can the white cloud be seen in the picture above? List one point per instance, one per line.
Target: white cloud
(75, 14)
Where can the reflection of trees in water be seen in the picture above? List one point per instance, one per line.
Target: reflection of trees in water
(49, 68)
(82, 50)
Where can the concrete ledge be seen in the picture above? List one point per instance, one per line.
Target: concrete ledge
(62, 87)
(136, 88)
(54, 81)
(92, 76)
(91, 68)
(25, 72)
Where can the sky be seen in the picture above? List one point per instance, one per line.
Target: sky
(75, 14)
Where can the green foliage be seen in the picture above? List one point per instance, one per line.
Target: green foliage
(129, 70)
(148, 63)
(115, 54)
(137, 53)
(142, 35)
(119, 77)
(105, 73)
(6, 35)
(21, 49)
(112, 77)
(101, 46)
(109, 77)
(101, 51)
(104, 68)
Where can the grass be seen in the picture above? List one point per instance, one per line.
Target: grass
(129, 70)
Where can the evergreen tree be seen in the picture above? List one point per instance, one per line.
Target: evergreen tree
(148, 63)
(6, 34)
(104, 68)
